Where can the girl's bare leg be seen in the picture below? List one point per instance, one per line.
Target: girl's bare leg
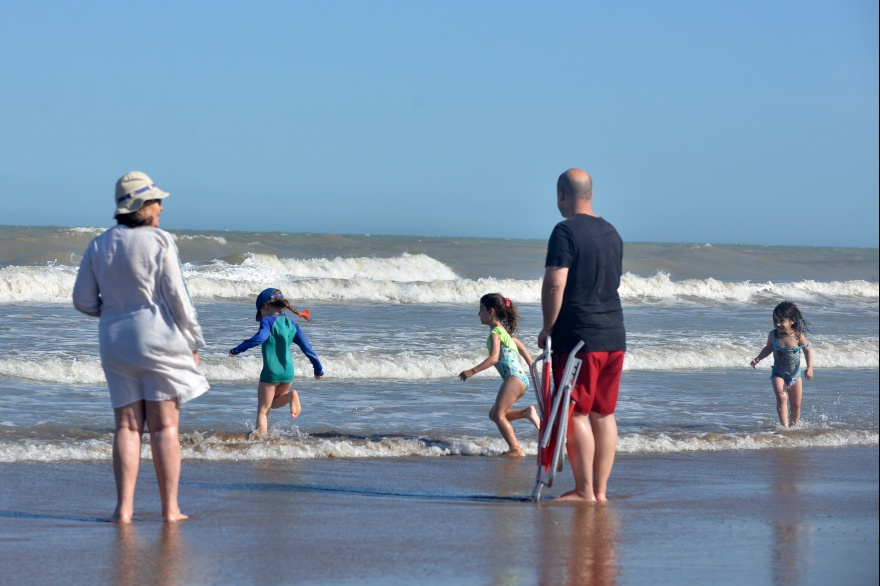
(127, 457)
(162, 419)
(295, 407)
(781, 399)
(529, 413)
(795, 393)
(511, 389)
(265, 397)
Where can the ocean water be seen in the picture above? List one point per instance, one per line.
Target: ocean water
(395, 320)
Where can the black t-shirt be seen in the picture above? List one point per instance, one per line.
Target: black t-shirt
(593, 252)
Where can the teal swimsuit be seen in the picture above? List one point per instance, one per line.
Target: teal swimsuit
(508, 362)
(276, 334)
(786, 362)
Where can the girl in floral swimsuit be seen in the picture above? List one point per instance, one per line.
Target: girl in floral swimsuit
(786, 342)
(500, 315)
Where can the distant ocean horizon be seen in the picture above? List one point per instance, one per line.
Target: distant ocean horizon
(394, 321)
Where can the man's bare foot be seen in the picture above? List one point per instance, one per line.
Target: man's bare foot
(120, 517)
(175, 517)
(573, 495)
(295, 407)
(532, 415)
(516, 452)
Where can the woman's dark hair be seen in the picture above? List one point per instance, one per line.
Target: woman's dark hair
(504, 309)
(789, 310)
(135, 219)
(132, 220)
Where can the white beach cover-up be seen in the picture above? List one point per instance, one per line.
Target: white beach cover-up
(131, 278)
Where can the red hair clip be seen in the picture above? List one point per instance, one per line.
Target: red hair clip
(507, 302)
(304, 313)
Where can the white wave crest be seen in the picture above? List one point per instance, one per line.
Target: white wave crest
(412, 365)
(293, 445)
(661, 287)
(416, 279)
(826, 438)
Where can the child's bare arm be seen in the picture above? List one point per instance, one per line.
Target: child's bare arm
(765, 351)
(523, 352)
(808, 354)
(492, 360)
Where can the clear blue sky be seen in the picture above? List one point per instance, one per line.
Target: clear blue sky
(722, 122)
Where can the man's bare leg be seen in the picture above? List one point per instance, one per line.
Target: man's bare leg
(127, 457)
(581, 448)
(162, 419)
(605, 438)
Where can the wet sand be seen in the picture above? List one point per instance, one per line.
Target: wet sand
(788, 516)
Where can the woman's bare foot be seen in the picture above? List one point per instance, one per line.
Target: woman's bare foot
(516, 452)
(532, 415)
(295, 407)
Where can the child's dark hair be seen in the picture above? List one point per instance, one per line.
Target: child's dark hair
(280, 303)
(789, 310)
(504, 309)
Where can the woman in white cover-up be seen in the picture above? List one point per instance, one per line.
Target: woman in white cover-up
(130, 278)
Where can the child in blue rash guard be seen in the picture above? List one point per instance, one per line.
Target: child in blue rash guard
(275, 335)
(499, 313)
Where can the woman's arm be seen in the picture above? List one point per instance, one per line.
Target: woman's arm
(86, 294)
(176, 295)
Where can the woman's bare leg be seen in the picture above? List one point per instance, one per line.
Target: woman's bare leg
(162, 419)
(127, 457)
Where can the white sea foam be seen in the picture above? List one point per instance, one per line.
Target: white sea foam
(197, 237)
(417, 279)
(225, 447)
(661, 287)
(411, 365)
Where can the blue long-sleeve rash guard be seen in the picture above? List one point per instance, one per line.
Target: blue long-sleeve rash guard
(275, 336)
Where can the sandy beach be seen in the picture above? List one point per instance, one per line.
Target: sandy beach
(792, 516)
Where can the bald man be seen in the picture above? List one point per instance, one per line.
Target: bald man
(579, 301)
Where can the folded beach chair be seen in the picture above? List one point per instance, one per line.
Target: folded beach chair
(555, 407)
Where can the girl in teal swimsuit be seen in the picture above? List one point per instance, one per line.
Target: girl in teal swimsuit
(276, 335)
(786, 342)
(500, 315)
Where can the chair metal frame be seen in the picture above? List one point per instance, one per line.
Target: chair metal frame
(554, 425)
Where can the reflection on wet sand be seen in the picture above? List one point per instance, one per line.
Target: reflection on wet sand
(163, 563)
(791, 537)
(589, 535)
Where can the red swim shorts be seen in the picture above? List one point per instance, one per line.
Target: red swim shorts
(597, 385)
